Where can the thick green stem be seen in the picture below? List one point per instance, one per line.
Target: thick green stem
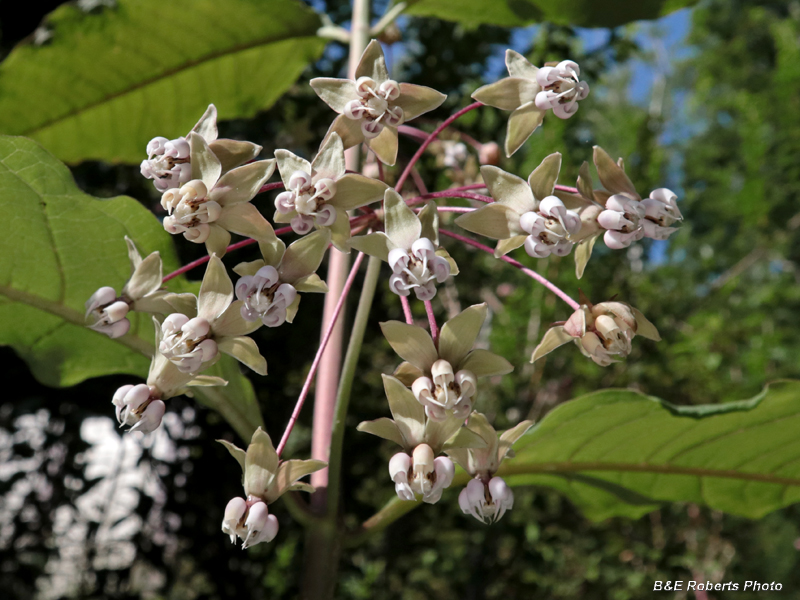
(346, 382)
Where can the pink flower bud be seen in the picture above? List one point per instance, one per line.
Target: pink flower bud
(151, 418)
(197, 234)
(196, 328)
(371, 129)
(399, 466)
(355, 110)
(389, 90)
(423, 248)
(178, 148)
(266, 276)
(118, 329)
(441, 268)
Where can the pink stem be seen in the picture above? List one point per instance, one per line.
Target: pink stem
(418, 182)
(454, 209)
(566, 188)
(270, 186)
(432, 322)
(324, 342)
(515, 263)
(406, 310)
(404, 175)
(205, 259)
(449, 194)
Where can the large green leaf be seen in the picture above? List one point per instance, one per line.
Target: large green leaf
(107, 82)
(514, 13)
(236, 402)
(618, 452)
(58, 245)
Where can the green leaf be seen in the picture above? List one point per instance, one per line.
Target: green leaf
(109, 81)
(402, 225)
(618, 452)
(495, 220)
(483, 363)
(515, 13)
(383, 428)
(555, 337)
(59, 246)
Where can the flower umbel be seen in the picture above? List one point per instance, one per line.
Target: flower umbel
(529, 92)
(487, 497)
(525, 213)
(319, 194)
(603, 332)
(169, 162)
(269, 287)
(266, 478)
(411, 247)
(373, 106)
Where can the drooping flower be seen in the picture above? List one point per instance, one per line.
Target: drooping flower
(525, 213)
(268, 288)
(319, 194)
(212, 205)
(617, 212)
(444, 379)
(266, 478)
(373, 106)
(410, 245)
(250, 521)
(602, 332)
(529, 92)
(141, 407)
(169, 162)
(107, 312)
(418, 470)
(194, 343)
(487, 497)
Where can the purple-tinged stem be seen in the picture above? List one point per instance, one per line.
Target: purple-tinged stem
(323, 343)
(404, 175)
(205, 259)
(432, 322)
(418, 182)
(449, 194)
(515, 263)
(454, 209)
(406, 310)
(566, 188)
(270, 186)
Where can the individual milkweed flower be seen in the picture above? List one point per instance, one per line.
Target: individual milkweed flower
(373, 106)
(319, 193)
(487, 497)
(617, 212)
(410, 245)
(525, 213)
(141, 407)
(602, 332)
(529, 92)
(169, 162)
(268, 288)
(193, 343)
(444, 379)
(265, 478)
(212, 205)
(142, 292)
(418, 470)
(561, 88)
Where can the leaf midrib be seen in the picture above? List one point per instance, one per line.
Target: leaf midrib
(554, 468)
(169, 73)
(72, 316)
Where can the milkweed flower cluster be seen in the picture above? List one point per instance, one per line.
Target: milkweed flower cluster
(207, 186)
